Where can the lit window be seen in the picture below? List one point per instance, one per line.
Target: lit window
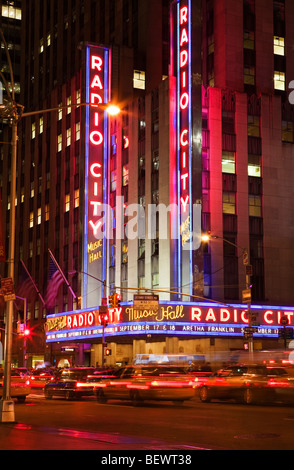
(139, 80)
(41, 125)
(41, 45)
(39, 217)
(125, 180)
(68, 104)
(59, 143)
(279, 45)
(78, 96)
(47, 212)
(77, 198)
(32, 190)
(68, 137)
(255, 206)
(113, 181)
(67, 202)
(33, 130)
(229, 203)
(60, 112)
(11, 12)
(280, 81)
(78, 130)
(254, 165)
(228, 162)
(48, 39)
(31, 223)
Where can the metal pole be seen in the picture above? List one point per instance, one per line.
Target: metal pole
(7, 404)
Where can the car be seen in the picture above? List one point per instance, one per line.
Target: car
(19, 386)
(246, 383)
(152, 382)
(74, 383)
(40, 377)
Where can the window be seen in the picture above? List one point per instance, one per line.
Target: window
(139, 80)
(249, 75)
(11, 12)
(280, 81)
(125, 181)
(31, 224)
(78, 97)
(255, 206)
(60, 112)
(59, 143)
(113, 181)
(253, 126)
(254, 165)
(48, 39)
(228, 162)
(47, 212)
(287, 131)
(39, 216)
(67, 202)
(68, 104)
(279, 46)
(77, 198)
(68, 137)
(249, 40)
(41, 125)
(41, 46)
(229, 202)
(78, 131)
(33, 130)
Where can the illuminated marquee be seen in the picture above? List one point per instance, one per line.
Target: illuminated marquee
(96, 168)
(184, 142)
(199, 319)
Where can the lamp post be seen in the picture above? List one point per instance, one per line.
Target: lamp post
(13, 112)
(247, 293)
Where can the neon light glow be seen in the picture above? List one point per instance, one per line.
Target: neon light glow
(96, 166)
(184, 146)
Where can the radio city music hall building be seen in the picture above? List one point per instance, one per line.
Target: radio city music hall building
(206, 130)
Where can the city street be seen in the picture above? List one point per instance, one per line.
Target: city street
(87, 425)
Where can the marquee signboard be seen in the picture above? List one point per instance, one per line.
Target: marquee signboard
(98, 67)
(174, 318)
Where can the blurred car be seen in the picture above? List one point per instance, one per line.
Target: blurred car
(22, 370)
(19, 386)
(139, 383)
(40, 377)
(74, 382)
(245, 383)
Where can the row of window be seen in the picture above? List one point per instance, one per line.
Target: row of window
(46, 216)
(229, 204)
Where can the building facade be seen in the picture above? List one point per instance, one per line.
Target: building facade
(205, 132)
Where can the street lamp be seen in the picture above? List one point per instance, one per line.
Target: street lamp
(246, 295)
(13, 112)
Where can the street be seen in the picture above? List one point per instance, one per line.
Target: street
(87, 425)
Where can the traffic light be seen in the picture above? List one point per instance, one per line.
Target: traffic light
(27, 332)
(114, 300)
(107, 352)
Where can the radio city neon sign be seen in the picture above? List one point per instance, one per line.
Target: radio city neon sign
(184, 103)
(98, 93)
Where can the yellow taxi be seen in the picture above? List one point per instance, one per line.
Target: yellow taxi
(20, 386)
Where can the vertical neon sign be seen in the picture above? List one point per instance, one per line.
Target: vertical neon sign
(184, 146)
(98, 66)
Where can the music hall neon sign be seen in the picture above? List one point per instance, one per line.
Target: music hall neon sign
(184, 142)
(98, 67)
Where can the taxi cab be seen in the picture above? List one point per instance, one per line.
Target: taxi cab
(19, 386)
(140, 383)
(40, 377)
(74, 383)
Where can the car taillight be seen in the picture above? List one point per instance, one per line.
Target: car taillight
(28, 382)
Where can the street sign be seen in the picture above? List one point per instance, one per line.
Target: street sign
(146, 302)
(7, 289)
(246, 296)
